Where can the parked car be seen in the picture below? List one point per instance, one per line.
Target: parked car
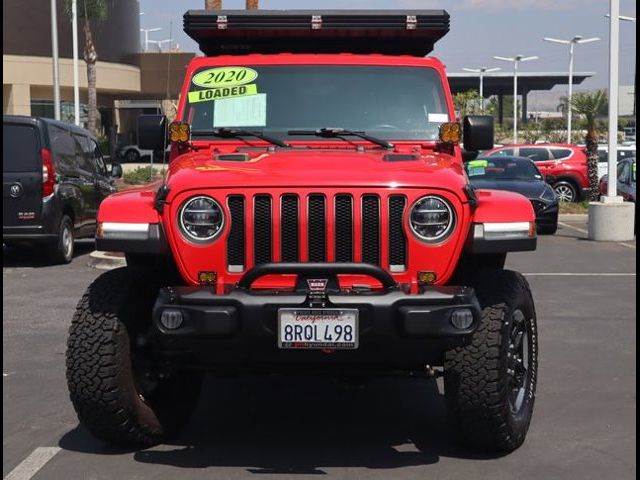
(564, 166)
(626, 176)
(53, 181)
(518, 174)
(134, 154)
(623, 151)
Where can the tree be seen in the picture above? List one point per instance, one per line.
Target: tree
(591, 105)
(467, 103)
(88, 11)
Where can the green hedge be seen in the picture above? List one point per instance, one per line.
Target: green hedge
(141, 175)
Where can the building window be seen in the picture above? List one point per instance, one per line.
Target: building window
(44, 108)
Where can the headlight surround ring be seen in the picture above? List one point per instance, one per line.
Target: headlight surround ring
(439, 206)
(196, 229)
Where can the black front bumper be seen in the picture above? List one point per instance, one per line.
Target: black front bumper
(239, 330)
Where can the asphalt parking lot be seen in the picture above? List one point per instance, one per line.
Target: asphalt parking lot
(584, 425)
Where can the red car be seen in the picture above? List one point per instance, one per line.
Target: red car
(316, 217)
(563, 166)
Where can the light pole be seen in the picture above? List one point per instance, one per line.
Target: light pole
(76, 74)
(54, 57)
(574, 41)
(481, 71)
(146, 32)
(160, 42)
(625, 18)
(516, 60)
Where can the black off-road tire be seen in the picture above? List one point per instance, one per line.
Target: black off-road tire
(105, 385)
(478, 383)
(63, 248)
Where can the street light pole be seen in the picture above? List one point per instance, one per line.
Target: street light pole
(146, 32)
(614, 49)
(516, 60)
(54, 57)
(575, 40)
(481, 71)
(76, 74)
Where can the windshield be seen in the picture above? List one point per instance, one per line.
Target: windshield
(498, 168)
(385, 102)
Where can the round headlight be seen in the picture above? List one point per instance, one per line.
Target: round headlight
(201, 219)
(431, 219)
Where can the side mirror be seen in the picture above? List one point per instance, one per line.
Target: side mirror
(116, 170)
(152, 132)
(477, 132)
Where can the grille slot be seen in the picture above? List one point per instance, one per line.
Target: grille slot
(317, 229)
(236, 241)
(289, 237)
(344, 228)
(262, 243)
(397, 239)
(371, 229)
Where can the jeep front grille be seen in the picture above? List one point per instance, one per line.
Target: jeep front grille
(316, 228)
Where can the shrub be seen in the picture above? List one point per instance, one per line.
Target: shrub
(141, 175)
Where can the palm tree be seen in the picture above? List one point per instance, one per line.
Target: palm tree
(89, 10)
(591, 105)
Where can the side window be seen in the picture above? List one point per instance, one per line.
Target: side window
(96, 155)
(64, 150)
(83, 154)
(603, 156)
(623, 172)
(535, 154)
(507, 152)
(559, 153)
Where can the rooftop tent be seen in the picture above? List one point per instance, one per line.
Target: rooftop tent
(393, 32)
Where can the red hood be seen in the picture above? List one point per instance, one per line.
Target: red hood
(316, 168)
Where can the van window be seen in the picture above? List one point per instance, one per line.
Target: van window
(84, 154)
(20, 148)
(63, 148)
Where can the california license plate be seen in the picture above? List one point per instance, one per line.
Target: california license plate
(311, 328)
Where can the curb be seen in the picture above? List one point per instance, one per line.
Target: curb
(106, 260)
(573, 216)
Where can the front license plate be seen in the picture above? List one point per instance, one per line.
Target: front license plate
(309, 328)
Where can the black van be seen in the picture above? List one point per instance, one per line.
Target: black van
(53, 180)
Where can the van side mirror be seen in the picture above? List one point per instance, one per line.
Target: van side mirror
(116, 170)
(477, 132)
(152, 132)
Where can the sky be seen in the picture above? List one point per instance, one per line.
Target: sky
(479, 30)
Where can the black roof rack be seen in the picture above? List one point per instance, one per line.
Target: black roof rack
(393, 32)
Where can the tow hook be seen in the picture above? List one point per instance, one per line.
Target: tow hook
(431, 372)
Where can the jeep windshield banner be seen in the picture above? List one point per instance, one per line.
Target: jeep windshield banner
(388, 102)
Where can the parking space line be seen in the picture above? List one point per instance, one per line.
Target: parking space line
(628, 245)
(569, 274)
(34, 462)
(581, 230)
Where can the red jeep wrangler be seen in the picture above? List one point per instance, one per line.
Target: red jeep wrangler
(315, 217)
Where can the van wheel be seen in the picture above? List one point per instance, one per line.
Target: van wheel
(63, 248)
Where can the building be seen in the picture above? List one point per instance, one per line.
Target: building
(128, 82)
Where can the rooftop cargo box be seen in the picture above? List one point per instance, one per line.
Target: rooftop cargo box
(393, 32)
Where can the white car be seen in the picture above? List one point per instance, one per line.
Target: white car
(624, 151)
(133, 154)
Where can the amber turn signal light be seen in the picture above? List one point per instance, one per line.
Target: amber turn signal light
(207, 278)
(450, 132)
(426, 278)
(179, 132)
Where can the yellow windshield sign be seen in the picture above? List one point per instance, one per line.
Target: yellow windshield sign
(224, 92)
(224, 77)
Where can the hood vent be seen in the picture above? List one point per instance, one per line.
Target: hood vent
(400, 157)
(232, 157)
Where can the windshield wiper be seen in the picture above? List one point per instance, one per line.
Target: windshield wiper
(235, 133)
(332, 132)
